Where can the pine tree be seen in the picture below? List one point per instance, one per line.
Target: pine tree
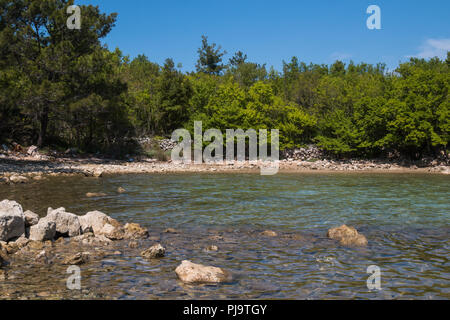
(210, 58)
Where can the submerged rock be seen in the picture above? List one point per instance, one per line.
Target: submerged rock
(35, 245)
(3, 255)
(112, 232)
(12, 220)
(347, 236)
(135, 231)
(133, 244)
(296, 237)
(95, 194)
(91, 239)
(215, 238)
(60, 241)
(11, 248)
(189, 272)
(3, 245)
(155, 251)
(269, 233)
(77, 259)
(211, 248)
(8, 248)
(22, 242)
(67, 224)
(170, 230)
(42, 257)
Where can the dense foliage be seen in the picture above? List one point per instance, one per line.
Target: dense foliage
(62, 87)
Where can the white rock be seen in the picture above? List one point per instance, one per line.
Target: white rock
(12, 220)
(31, 218)
(93, 221)
(67, 223)
(107, 229)
(18, 179)
(44, 230)
(32, 150)
(101, 224)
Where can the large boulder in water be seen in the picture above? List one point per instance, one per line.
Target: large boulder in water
(154, 252)
(67, 224)
(101, 224)
(43, 231)
(189, 272)
(12, 220)
(94, 220)
(347, 236)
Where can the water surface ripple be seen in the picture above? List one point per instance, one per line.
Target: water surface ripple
(404, 216)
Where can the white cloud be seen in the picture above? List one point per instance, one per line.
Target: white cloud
(434, 48)
(340, 56)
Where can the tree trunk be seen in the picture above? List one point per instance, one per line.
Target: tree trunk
(43, 129)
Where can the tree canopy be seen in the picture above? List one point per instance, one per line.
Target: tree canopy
(64, 88)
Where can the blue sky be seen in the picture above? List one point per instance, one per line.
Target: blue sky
(268, 32)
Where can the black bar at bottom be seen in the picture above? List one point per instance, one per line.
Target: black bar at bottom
(254, 309)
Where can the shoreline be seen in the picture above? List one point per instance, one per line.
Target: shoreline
(21, 170)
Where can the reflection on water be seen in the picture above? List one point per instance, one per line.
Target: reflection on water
(405, 218)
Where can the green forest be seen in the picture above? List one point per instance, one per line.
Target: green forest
(63, 88)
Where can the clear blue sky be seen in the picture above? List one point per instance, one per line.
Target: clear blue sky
(319, 31)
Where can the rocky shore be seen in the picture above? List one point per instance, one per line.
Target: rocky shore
(65, 239)
(25, 170)
(21, 165)
(23, 236)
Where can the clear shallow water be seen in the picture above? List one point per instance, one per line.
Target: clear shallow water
(404, 216)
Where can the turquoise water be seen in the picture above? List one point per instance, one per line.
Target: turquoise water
(405, 218)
